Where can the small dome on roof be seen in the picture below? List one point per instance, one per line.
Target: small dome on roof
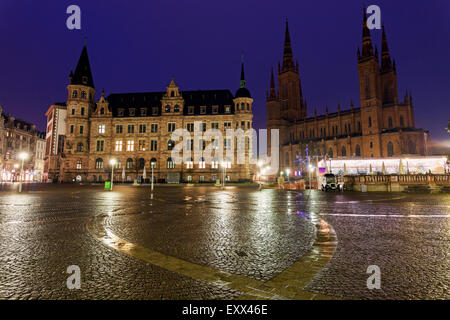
(243, 93)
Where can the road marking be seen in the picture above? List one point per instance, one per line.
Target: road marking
(288, 284)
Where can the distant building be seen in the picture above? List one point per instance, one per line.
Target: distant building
(38, 172)
(16, 136)
(135, 129)
(383, 125)
(54, 141)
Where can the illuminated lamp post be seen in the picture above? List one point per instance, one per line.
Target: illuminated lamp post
(112, 162)
(22, 156)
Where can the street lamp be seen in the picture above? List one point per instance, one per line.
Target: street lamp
(260, 163)
(288, 171)
(224, 168)
(112, 162)
(152, 165)
(22, 156)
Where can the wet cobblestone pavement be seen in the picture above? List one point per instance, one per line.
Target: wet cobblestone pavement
(241, 231)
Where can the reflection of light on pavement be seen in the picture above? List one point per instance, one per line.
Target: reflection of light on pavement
(108, 201)
(387, 215)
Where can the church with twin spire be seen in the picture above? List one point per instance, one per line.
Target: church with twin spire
(382, 125)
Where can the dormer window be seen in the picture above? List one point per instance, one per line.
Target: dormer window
(167, 108)
(215, 109)
(132, 112)
(84, 79)
(176, 108)
(83, 95)
(143, 112)
(155, 111)
(191, 110)
(227, 109)
(75, 94)
(202, 109)
(120, 112)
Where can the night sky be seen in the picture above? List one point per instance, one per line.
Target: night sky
(138, 45)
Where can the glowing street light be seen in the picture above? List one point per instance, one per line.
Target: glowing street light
(22, 156)
(288, 172)
(224, 168)
(112, 162)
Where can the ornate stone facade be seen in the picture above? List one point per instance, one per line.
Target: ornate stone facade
(135, 129)
(17, 136)
(382, 126)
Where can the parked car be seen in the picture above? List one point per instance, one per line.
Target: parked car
(329, 182)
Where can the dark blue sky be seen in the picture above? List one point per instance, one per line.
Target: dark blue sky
(139, 45)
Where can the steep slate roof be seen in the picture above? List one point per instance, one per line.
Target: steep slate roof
(83, 69)
(196, 98)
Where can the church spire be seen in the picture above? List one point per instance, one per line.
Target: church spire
(367, 48)
(288, 61)
(242, 82)
(83, 74)
(386, 63)
(273, 94)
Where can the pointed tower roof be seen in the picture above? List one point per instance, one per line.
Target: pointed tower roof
(83, 74)
(242, 82)
(288, 60)
(273, 93)
(242, 92)
(386, 63)
(367, 48)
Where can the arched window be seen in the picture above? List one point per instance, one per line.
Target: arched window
(170, 163)
(119, 164)
(172, 94)
(287, 159)
(141, 163)
(170, 144)
(330, 153)
(411, 147)
(358, 151)
(102, 111)
(367, 86)
(129, 163)
(99, 163)
(242, 106)
(248, 106)
(390, 125)
(80, 147)
(83, 95)
(176, 108)
(344, 152)
(167, 109)
(370, 122)
(390, 149)
(75, 94)
(402, 121)
(153, 163)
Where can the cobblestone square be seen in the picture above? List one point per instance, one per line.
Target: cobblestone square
(212, 243)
